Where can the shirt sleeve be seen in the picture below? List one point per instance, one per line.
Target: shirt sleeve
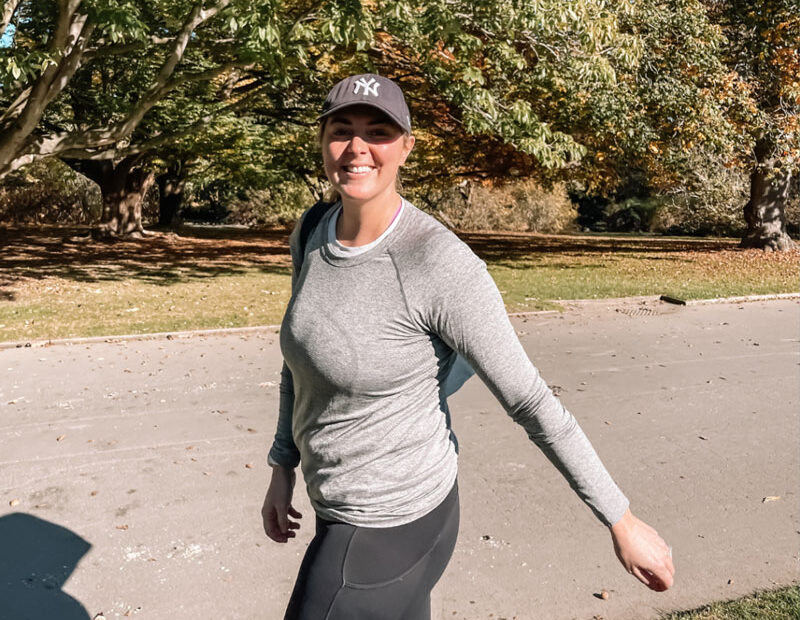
(284, 452)
(467, 312)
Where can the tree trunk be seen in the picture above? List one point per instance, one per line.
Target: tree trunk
(765, 212)
(123, 187)
(170, 190)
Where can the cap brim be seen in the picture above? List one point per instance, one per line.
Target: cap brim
(350, 104)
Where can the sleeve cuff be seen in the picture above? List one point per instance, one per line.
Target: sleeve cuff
(274, 463)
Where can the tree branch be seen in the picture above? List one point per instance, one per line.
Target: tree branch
(70, 63)
(197, 16)
(9, 6)
(19, 122)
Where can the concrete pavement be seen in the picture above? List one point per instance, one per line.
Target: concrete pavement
(132, 473)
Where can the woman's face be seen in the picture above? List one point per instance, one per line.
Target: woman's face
(362, 150)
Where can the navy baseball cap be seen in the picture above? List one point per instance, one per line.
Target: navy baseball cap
(369, 89)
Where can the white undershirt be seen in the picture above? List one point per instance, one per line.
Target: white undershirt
(359, 249)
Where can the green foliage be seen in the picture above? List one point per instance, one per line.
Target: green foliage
(592, 92)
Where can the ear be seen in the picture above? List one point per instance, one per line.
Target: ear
(408, 144)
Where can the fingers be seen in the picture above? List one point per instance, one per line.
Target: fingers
(659, 582)
(658, 576)
(282, 519)
(277, 525)
(640, 575)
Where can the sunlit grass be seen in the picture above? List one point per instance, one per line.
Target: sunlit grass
(528, 282)
(780, 604)
(59, 291)
(60, 309)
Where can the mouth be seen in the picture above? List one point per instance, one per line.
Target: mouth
(358, 171)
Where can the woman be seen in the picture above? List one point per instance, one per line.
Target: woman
(384, 298)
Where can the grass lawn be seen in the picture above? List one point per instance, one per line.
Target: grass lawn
(532, 270)
(50, 288)
(780, 604)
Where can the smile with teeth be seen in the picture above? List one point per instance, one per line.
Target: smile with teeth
(358, 169)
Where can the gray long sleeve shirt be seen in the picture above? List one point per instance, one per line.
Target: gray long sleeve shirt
(367, 342)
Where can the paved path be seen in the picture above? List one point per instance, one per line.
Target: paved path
(136, 471)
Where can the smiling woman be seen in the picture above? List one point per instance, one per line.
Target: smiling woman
(384, 301)
(363, 150)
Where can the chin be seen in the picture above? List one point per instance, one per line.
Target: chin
(353, 193)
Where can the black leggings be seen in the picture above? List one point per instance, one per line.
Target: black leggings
(360, 573)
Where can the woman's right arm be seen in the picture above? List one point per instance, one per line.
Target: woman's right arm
(283, 455)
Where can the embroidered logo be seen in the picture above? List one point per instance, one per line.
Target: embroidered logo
(370, 88)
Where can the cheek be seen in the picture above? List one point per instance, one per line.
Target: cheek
(389, 156)
(330, 155)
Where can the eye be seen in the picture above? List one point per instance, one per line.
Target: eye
(340, 131)
(383, 133)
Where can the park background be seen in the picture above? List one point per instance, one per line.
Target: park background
(155, 154)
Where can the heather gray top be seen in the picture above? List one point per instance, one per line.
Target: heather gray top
(367, 341)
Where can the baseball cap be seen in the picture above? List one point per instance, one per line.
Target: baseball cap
(369, 89)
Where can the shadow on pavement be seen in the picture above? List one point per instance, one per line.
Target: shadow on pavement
(36, 559)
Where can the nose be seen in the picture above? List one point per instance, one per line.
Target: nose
(358, 145)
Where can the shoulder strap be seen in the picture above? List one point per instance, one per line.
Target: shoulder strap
(310, 222)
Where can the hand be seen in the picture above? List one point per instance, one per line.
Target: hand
(278, 508)
(643, 552)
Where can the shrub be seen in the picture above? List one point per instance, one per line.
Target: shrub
(710, 200)
(49, 192)
(633, 214)
(520, 205)
(279, 205)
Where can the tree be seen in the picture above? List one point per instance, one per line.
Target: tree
(763, 52)
(592, 91)
(116, 80)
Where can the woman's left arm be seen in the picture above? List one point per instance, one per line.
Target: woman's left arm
(466, 310)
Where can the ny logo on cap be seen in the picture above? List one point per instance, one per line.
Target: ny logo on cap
(370, 88)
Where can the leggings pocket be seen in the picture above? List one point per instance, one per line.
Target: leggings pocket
(378, 556)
